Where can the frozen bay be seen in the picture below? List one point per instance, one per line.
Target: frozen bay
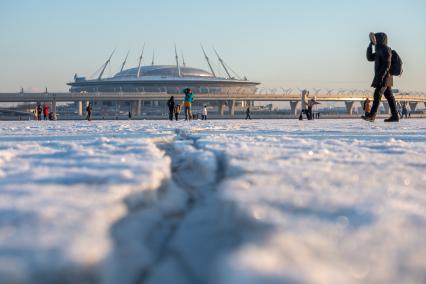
(263, 201)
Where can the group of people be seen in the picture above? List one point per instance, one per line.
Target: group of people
(402, 110)
(175, 108)
(42, 112)
(307, 106)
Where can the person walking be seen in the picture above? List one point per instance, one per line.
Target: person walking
(311, 104)
(404, 111)
(89, 112)
(383, 80)
(177, 111)
(35, 113)
(39, 112)
(304, 101)
(171, 105)
(399, 109)
(204, 115)
(366, 106)
(248, 116)
(45, 112)
(189, 98)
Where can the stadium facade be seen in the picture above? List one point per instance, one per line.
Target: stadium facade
(165, 78)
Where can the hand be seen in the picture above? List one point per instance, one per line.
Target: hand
(372, 37)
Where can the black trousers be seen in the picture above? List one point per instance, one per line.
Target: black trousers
(378, 92)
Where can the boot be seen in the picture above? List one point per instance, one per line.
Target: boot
(369, 118)
(392, 105)
(392, 119)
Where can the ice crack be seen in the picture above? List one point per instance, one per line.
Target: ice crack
(171, 246)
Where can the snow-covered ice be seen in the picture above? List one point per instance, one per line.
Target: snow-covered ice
(262, 201)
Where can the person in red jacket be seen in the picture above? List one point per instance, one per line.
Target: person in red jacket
(45, 111)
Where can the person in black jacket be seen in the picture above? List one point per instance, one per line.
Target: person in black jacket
(171, 105)
(89, 112)
(383, 80)
(248, 116)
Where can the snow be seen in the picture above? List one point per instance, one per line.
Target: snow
(261, 201)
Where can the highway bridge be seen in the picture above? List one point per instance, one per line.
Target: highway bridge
(221, 99)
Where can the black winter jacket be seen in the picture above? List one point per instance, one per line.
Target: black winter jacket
(382, 61)
(171, 105)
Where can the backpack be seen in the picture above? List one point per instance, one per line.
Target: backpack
(396, 64)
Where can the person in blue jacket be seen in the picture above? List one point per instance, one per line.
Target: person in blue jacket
(189, 97)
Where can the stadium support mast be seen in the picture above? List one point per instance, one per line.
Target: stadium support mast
(140, 62)
(177, 63)
(153, 57)
(223, 64)
(183, 59)
(208, 61)
(124, 62)
(105, 65)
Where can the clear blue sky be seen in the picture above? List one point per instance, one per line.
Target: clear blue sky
(305, 43)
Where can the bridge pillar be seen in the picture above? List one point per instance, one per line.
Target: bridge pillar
(413, 105)
(293, 107)
(138, 108)
(221, 107)
(54, 109)
(349, 107)
(231, 105)
(386, 107)
(79, 107)
(135, 108)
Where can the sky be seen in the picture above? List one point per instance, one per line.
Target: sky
(282, 44)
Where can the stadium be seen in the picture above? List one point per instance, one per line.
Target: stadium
(165, 78)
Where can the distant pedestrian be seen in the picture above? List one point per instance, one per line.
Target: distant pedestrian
(45, 112)
(177, 111)
(52, 116)
(189, 97)
(404, 111)
(248, 116)
(366, 106)
(171, 106)
(35, 113)
(39, 111)
(89, 112)
(204, 115)
(311, 104)
(304, 101)
(383, 80)
(130, 115)
(399, 109)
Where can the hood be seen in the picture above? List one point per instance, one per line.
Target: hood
(381, 39)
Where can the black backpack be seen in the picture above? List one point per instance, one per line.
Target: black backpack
(396, 64)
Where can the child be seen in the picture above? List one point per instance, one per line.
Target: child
(204, 115)
(177, 111)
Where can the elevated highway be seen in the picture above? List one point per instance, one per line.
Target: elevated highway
(221, 99)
